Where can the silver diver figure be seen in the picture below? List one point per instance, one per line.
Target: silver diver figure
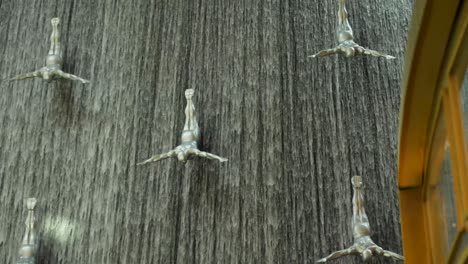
(346, 44)
(54, 61)
(190, 136)
(363, 244)
(27, 252)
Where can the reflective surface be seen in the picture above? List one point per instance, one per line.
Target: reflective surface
(441, 204)
(447, 195)
(442, 209)
(464, 103)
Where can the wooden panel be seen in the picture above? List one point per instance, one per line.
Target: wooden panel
(420, 90)
(294, 129)
(414, 223)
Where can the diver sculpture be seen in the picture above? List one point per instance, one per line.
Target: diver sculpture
(54, 61)
(346, 44)
(190, 136)
(28, 250)
(363, 244)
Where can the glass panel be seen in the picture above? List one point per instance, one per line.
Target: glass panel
(440, 198)
(440, 201)
(447, 196)
(464, 103)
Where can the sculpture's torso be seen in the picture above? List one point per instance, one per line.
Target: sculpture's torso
(27, 254)
(186, 146)
(349, 48)
(189, 136)
(360, 229)
(363, 243)
(345, 35)
(54, 62)
(189, 143)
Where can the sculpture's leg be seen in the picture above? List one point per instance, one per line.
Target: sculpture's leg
(29, 246)
(159, 157)
(343, 21)
(359, 212)
(71, 76)
(30, 234)
(338, 254)
(28, 75)
(191, 123)
(375, 53)
(208, 155)
(55, 38)
(323, 53)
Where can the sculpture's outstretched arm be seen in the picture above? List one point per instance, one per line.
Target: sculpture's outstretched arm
(55, 38)
(323, 53)
(208, 155)
(159, 157)
(375, 53)
(28, 75)
(71, 76)
(338, 254)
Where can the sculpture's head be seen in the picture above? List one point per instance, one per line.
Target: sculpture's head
(367, 254)
(349, 52)
(182, 157)
(27, 251)
(47, 76)
(356, 181)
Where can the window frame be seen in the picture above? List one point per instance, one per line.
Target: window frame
(435, 66)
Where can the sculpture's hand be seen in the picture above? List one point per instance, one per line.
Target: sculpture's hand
(323, 53)
(390, 254)
(28, 75)
(71, 76)
(159, 157)
(338, 254)
(387, 253)
(208, 155)
(375, 53)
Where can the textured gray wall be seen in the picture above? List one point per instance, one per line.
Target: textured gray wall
(294, 129)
